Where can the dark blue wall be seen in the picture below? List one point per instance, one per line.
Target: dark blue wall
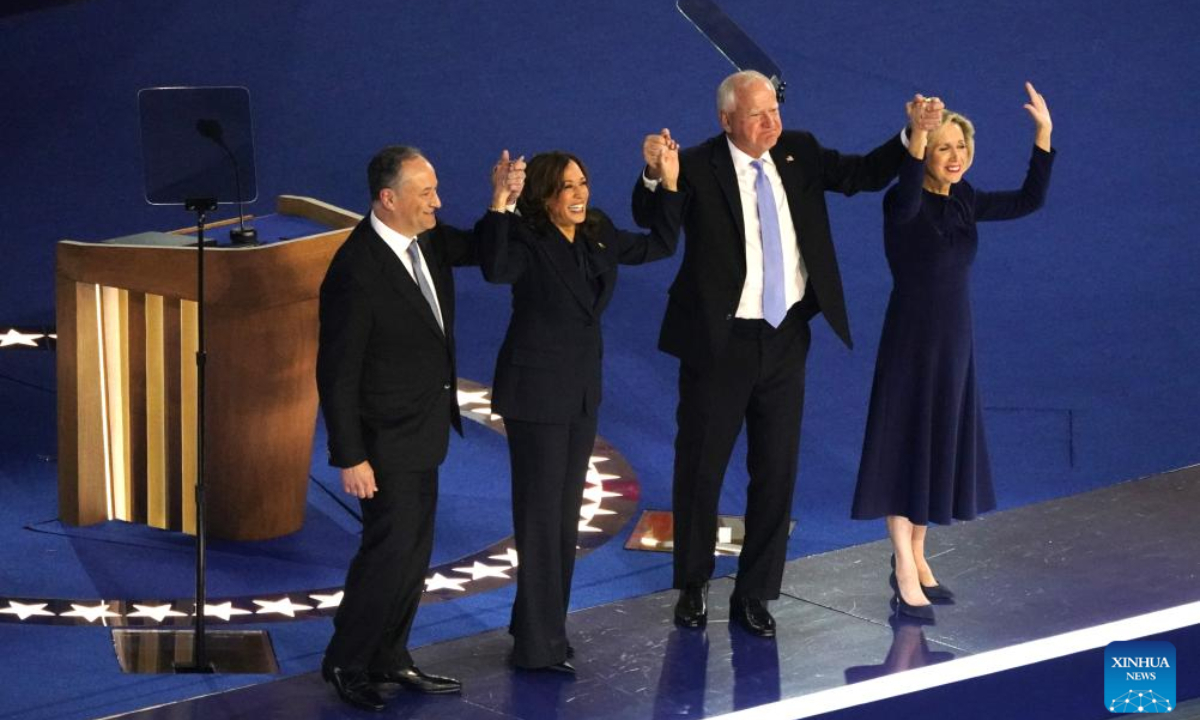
(1087, 333)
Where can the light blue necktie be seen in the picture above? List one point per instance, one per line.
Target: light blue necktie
(415, 256)
(774, 297)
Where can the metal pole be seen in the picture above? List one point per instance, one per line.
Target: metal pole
(199, 640)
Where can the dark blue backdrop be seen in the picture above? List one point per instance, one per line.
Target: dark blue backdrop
(1086, 332)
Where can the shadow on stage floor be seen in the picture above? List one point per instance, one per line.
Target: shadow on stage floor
(1041, 590)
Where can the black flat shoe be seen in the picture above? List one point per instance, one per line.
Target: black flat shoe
(691, 610)
(353, 687)
(752, 615)
(411, 678)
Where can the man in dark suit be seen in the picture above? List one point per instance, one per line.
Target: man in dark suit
(387, 383)
(758, 264)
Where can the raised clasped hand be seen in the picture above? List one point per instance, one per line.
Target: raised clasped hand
(924, 113)
(653, 149)
(508, 179)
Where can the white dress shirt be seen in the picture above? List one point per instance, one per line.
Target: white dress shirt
(399, 245)
(750, 306)
(750, 303)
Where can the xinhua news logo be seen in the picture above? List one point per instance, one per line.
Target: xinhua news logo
(1139, 677)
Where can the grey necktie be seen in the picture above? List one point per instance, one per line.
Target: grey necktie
(415, 256)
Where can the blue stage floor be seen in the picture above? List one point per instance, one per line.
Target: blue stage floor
(1042, 589)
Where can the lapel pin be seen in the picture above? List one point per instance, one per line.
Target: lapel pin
(601, 245)
(790, 158)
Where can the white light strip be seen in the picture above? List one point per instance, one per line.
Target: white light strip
(108, 479)
(972, 666)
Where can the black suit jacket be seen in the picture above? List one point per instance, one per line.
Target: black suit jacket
(705, 293)
(385, 370)
(548, 369)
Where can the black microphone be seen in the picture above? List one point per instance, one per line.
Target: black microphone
(212, 130)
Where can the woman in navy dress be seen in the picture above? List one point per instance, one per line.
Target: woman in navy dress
(561, 258)
(924, 456)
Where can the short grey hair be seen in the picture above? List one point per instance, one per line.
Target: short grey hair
(727, 90)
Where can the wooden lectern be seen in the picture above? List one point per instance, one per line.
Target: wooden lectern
(127, 339)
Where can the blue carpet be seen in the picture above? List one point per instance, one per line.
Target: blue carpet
(1086, 333)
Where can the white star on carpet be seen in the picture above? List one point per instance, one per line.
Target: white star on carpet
(485, 413)
(329, 601)
(596, 493)
(587, 512)
(91, 614)
(224, 611)
(12, 337)
(595, 477)
(24, 612)
(585, 527)
(473, 397)
(157, 612)
(441, 582)
(283, 606)
(479, 570)
(509, 556)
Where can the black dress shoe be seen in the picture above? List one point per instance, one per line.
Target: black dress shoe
(691, 610)
(411, 678)
(566, 667)
(353, 687)
(752, 614)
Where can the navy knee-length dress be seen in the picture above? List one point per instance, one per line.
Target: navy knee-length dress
(924, 455)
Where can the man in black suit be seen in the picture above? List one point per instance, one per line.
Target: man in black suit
(758, 264)
(387, 382)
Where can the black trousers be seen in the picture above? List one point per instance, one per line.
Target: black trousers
(549, 467)
(387, 576)
(759, 378)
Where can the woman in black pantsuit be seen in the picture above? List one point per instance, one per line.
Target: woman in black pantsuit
(561, 259)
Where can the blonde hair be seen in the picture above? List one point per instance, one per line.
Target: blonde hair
(968, 130)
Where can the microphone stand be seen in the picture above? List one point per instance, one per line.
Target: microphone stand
(212, 130)
(242, 235)
(166, 113)
(200, 663)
